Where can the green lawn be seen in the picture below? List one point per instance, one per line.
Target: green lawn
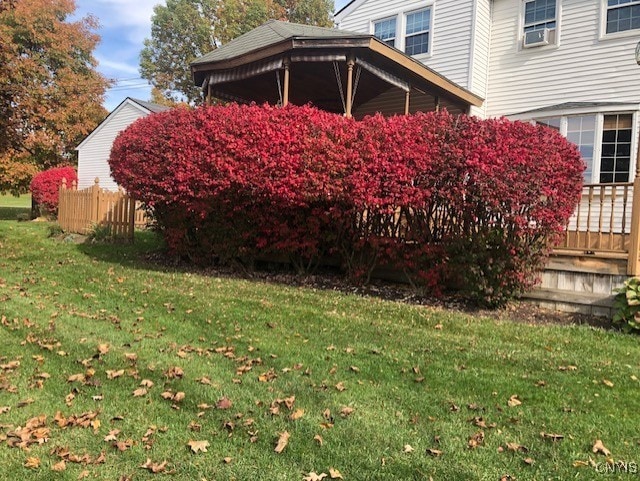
(12, 206)
(373, 389)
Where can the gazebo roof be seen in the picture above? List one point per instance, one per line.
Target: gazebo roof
(239, 69)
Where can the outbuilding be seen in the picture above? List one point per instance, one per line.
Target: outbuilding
(94, 151)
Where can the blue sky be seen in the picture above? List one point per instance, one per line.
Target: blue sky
(124, 24)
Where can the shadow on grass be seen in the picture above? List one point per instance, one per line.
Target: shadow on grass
(12, 213)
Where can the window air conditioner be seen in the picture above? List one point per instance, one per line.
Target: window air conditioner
(536, 38)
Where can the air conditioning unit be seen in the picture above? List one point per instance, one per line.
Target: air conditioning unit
(536, 38)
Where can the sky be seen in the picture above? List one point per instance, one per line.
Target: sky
(124, 24)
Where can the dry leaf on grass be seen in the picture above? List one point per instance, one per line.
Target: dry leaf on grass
(32, 463)
(283, 440)
(224, 403)
(59, 466)
(313, 476)
(335, 474)
(599, 448)
(514, 401)
(154, 467)
(198, 446)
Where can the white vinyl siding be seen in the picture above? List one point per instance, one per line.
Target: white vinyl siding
(479, 53)
(449, 37)
(93, 153)
(581, 68)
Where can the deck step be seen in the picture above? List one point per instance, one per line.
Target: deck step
(572, 301)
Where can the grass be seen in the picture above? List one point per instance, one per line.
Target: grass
(413, 378)
(12, 206)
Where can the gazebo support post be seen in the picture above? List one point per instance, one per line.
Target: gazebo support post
(407, 99)
(349, 99)
(287, 73)
(208, 99)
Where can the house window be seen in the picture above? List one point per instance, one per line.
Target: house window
(385, 30)
(417, 32)
(615, 159)
(539, 14)
(623, 15)
(581, 130)
(605, 142)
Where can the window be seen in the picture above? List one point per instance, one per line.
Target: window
(385, 30)
(623, 15)
(605, 142)
(417, 32)
(616, 148)
(540, 14)
(581, 130)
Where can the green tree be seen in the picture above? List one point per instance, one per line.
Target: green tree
(50, 91)
(183, 30)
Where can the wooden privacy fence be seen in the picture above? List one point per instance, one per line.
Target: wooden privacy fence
(81, 211)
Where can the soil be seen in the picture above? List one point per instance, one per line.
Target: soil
(517, 311)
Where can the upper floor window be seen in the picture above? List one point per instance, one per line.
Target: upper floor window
(623, 15)
(540, 14)
(385, 30)
(417, 32)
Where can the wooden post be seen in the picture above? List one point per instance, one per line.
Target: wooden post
(208, 100)
(633, 262)
(132, 216)
(407, 98)
(436, 101)
(95, 201)
(285, 88)
(349, 103)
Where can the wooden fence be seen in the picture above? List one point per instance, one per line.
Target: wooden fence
(81, 211)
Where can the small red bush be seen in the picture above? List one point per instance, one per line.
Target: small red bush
(447, 200)
(45, 186)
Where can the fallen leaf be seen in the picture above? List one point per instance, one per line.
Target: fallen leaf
(434, 452)
(32, 462)
(517, 447)
(76, 378)
(114, 374)
(283, 440)
(606, 382)
(408, 449)
(84, 474)
(335, 474)
(318, 439)
(528, 461)
(224, 403)
(227, 460)
(340, 386)
(60, 466)
(346, 411)
(103, 349)
(599, 448)
(297, 414)
(312, 476)
(198, 446)
(140, 392)
(154, 467)
(514, 401)
(476, 440)
(146, 383)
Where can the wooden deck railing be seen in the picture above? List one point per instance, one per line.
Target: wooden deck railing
(79, 211)
(606, 223)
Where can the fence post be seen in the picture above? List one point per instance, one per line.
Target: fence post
(132, 216)
(95, 201)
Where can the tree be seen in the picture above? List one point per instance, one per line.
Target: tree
(183, 30)
(50, 91)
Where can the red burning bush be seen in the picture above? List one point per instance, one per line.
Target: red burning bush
(45, 186)
(447, 200)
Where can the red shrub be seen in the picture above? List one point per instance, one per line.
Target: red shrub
(448, 200)
(45, 186)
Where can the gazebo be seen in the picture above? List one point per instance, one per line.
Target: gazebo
(334, 70)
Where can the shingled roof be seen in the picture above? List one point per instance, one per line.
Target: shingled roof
(268, 34)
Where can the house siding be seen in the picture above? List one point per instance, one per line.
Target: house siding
(93, 154)
(582, 67)
(480, 53)
(450, 39)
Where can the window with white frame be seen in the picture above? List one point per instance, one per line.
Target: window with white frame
(622, 15)
(418, 25)
(385, 30)
(539, 14)
(605, 142)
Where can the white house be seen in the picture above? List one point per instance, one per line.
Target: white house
(93, 151)
(567, 63)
